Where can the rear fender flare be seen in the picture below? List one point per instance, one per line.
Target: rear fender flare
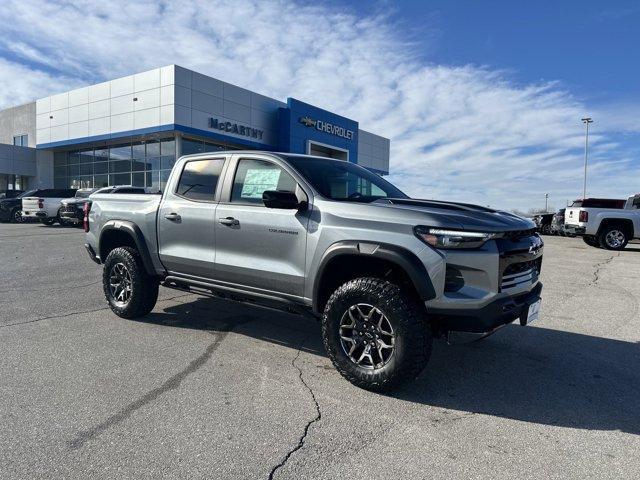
(133, 231)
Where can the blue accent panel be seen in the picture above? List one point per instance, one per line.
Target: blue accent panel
(284, 129)
(162, 128)
(294, 136)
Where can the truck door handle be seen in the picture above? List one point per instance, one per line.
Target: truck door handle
(229, 221)
(172, 216)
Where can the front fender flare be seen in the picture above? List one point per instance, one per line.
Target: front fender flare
(400, 256)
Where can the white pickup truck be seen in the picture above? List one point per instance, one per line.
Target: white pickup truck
(605, 223)
(46, 206)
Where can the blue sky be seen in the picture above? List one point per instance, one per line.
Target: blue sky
(588, 45)
(482, 100)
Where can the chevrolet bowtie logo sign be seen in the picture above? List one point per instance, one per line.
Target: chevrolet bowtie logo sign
(307, 121)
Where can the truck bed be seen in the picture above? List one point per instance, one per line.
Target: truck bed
(141, 209)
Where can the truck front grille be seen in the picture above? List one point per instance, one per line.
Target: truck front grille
(518, 234)
(522, 272)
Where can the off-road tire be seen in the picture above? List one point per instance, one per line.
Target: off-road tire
(604, 232)
(591, 241)
(144, 287)
(413, 341)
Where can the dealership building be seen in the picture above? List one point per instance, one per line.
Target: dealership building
(131, 130)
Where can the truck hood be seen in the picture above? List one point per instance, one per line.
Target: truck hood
(74, 201)
(459, 215)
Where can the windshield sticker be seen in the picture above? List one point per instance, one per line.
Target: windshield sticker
(257, 181)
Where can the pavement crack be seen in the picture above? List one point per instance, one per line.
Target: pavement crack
(53, 317)
(599, 266)
(170, 384)
(305, 432)
(78, 312)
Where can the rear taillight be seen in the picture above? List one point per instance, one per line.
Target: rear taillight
(41, 203)
(85, 221)
(584, 216)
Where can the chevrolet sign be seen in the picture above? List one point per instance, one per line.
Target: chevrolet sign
(327, 127)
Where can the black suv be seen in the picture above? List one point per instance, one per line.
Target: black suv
(11, 206)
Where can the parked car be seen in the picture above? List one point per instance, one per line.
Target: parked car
(9, 193)
(72, 209)
(557, 224)
(11, 208)
(605, 223)
(46, 205)
(384, 272)
(543, 223)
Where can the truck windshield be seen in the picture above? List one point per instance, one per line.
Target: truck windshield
(344, 181)
(26, 194)
(85, 193)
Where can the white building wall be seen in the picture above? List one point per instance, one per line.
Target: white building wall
(199, 98)
(373, 151)
(129, 103)
(163, 96)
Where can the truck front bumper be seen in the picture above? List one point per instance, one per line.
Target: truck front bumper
(485, 319)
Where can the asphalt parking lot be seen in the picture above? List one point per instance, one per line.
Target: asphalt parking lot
(207, 389)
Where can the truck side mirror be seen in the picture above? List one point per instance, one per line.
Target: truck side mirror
(281, 199)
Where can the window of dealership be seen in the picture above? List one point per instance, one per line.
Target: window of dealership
(13, 182)
(144, 163)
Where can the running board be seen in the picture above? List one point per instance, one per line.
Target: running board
(224, 292)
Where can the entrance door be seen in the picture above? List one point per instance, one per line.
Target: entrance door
(186, 233)
(322, 150)
(256, 246)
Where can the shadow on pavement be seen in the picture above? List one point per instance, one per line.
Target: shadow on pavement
(532, 374)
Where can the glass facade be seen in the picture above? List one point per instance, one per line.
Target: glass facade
(142, 163)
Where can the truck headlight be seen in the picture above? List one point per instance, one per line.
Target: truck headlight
(447, 238)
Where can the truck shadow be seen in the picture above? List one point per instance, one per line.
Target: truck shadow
(531, 374)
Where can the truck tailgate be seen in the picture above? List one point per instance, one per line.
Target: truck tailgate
(572, 216)
(30, 205)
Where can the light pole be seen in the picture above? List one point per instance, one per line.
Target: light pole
(546, 201)
(586, 122)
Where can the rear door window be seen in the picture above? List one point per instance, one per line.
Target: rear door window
(199, 179)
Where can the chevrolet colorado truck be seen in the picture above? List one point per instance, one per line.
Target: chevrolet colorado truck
(383, 272)
(605, 223)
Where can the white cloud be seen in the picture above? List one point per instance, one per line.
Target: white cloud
(458, 132)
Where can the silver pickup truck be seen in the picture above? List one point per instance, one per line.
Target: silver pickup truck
(385, 273)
